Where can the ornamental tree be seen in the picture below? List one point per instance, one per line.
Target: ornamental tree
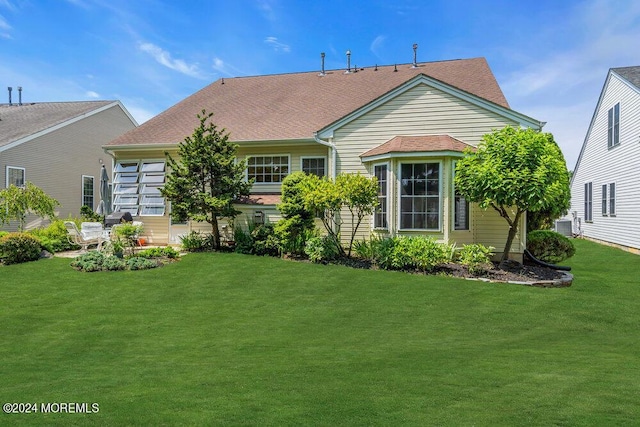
(17, 202)
(206, 179)
(514, 171)
(297, 221)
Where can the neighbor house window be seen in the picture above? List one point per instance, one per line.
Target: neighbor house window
(420, 196)
(460, 209)
(137, 187)
(380, 214)
(15, 176)
(267, 169)
(612, 199)
(313, 165)
(613, 126)
(87, 191)
(605, 201)
(588, 201)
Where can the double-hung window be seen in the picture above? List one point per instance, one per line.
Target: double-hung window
(612, 199)
(460, 209)
(613, 126)
(420, 196)
(87, 191)
(15, 176)
(313, 165)
(267, 169)
(605, 201)
(588, 201)
(137, 187)
(380, 217)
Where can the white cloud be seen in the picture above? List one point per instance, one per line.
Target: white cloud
(164, 58)
(223, 67)
(4, 28)
(92, 94)
(276, 45)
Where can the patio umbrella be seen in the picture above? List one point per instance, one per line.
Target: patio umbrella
(103, 206)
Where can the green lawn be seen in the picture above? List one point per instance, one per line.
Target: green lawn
(226, 339)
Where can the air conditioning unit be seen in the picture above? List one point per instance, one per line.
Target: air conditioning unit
(563, 226)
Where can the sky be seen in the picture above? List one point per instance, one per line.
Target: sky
(550, 57)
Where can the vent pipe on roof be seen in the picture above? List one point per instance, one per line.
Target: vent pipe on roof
(19, 95)
(10, 89)
(322, 58)
(415, 55)
(348, 62)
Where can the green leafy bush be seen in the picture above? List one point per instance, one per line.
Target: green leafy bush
(195, 241)
(3, 233)
(320, 249)
(166, 251)
(138, 263)
(476, 257)
(54, 237)
(16, 248)
(258, 239)
(113, 263)
(89, 215)
(549, 246)
(420, 252)
(90, 261)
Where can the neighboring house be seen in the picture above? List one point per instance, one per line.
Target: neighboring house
(604, 186)
(404, 124)
(58, 147)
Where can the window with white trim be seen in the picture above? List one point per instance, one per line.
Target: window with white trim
(87, 191)
(15, 176)
(612, 199)
(137, 187)
(313, 165)
(613, 126)
(267, 169)
(380, 217)
(420, 196)
(588, 201)
(605, 201)
(460, 207)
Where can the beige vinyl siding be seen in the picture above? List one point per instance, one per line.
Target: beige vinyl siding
(295, 153)
(424, 110)
(57, 160)
(421, 110)
(491, 229)
(620, 165)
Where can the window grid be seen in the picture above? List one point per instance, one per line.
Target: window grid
(137, 187)
(267, 169)
(604, 200)
(380, 214)
(314, 166)
(612, 199)
(420, 196)
(460, 207)
(87, 191)
(588, 201)
(15, 176)
(613, 126)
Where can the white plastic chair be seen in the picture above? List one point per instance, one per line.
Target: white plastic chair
(91, 234)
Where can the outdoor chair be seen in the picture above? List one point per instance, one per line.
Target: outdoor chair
(91, 234)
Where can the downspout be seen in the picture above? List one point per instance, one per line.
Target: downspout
(334, 153)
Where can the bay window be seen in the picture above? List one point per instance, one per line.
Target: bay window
(420, 196)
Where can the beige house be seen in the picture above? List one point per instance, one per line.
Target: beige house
(58, 147)
(404, 124)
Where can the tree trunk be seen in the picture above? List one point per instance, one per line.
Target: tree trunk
(215, 232)
(513, 230)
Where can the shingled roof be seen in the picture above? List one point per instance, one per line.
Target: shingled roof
(20, 121)
(295, 106)
(412, 144)
(631, 74)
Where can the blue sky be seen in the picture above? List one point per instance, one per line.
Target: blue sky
(550, 57)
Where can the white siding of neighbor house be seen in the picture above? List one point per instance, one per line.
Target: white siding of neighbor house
(620, 165)
(56, 161)
(423, 110)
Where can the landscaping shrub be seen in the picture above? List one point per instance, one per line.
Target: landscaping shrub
(195, 241)
(89, 215)
(90, 261)
(476, 257)
(419, 252)
(3, 233)
(320, 249)
(166, 251)
(258, 239)
(113, 263)
(549, 246)
(377, 250)
(138, 263)
(16, 248)
(54, 238)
